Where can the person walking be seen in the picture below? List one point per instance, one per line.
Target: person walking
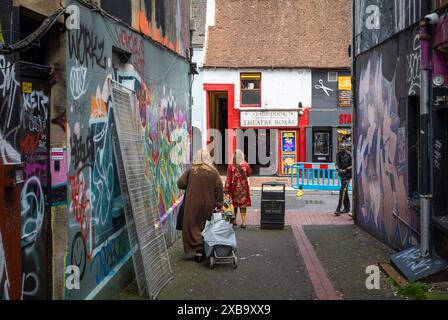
(204, 195)
(344, 168)
(237, 186)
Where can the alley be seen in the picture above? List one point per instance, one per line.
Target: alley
(109, 107)
(318, 256)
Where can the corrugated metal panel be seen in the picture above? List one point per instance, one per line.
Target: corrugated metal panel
(150, 254)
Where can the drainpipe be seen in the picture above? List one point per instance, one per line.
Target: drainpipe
(354, 111)
(425, 167)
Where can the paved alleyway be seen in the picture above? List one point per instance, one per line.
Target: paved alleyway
(317, 256)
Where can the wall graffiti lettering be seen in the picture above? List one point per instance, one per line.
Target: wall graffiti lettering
(9, 129)
(8, 87)
(133, 43)
(413, 68)
(109, 255)
(78, 81)
(87, 47)
(82, 152)
(35, 106)
(79, 107)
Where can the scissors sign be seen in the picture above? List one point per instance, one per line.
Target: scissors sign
(322, 87)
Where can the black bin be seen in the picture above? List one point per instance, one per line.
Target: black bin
(273, 206)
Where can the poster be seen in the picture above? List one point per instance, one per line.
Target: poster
(345, 91)
(289, 141)
(288, 161)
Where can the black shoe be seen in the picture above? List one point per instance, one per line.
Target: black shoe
(346, 211)
(337, 213)
(199, 259)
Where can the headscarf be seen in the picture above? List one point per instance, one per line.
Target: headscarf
(203, 158)
(238, 157)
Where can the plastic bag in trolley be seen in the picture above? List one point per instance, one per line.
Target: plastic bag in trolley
(218, 232)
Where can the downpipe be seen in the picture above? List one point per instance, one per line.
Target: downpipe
(425, 103)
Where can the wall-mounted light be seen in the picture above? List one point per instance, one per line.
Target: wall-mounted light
(301, 108)
(438, 80)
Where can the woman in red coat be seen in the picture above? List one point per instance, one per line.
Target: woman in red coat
(237, 185)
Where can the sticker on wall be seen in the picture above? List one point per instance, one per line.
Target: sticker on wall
(57, 154)
(27, 87)
(345, 91)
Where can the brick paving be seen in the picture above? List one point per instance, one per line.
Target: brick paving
(295, 218)
(322, 285)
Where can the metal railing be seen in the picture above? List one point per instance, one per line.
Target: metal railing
(315, 176)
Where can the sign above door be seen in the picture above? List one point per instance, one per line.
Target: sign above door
(269, 119)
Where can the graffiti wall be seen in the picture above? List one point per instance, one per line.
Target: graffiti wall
(386, 79)
(100, 51)
(10, 257)
(378, 20)
(10, 111)
(24, 139)
(167, 22)
(35, 109)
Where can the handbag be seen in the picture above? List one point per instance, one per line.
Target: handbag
(180, 214)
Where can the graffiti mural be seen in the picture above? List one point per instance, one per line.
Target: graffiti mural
(97, 238)
(10, 108)
(378, 20)
(10, 127)
(4, 278)
(166, 22)
(381, 161)
(35, 155)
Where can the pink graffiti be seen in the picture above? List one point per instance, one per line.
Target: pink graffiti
(134, 44)
(36, 169)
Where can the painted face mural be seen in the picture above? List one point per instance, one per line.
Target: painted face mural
(381, 168)
(98, 241)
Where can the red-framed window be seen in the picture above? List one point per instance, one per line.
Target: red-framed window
(250, 89)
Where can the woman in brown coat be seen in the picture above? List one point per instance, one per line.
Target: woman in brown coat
(204, 194)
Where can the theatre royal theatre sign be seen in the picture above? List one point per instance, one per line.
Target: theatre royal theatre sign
(269, 119)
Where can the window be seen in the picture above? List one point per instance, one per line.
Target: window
(332, 77)
(251, 89)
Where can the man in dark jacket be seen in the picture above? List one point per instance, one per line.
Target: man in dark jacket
(344, 168)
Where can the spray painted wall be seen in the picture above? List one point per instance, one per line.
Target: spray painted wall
(97, 52)
(24, 119)
(386, 77)
(167, 22)
(378, 20)
(34, 149)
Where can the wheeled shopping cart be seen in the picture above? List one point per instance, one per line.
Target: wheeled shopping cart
(223, 255)
(220, 241)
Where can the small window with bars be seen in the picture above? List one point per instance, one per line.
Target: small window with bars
(250, 89)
